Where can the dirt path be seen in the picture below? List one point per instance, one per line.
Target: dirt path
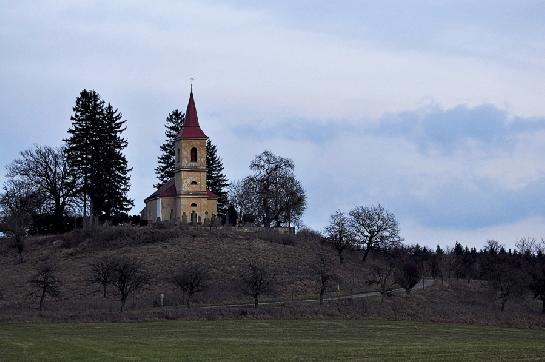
(427, 283)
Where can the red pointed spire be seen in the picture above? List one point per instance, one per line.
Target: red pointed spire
(191, 128)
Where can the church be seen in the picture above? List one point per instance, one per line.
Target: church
(185, 197)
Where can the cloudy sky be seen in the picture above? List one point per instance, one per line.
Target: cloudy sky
(436, 109)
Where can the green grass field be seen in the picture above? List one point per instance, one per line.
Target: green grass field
(267, 340)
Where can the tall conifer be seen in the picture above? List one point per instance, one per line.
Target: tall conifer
(215, 178)
(82, 144)
(117, 180)
(95, 156)
(166, 162)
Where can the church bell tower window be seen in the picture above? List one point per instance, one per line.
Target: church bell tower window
(194, 154)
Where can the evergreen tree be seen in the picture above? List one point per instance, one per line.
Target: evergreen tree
(82, 144)
(94, 151)
(215, 178)
(117, 180)
(165, 168)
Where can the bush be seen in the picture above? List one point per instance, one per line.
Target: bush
(275, 236)
(107, 236)
(306, 234)
(191, 279)
(407, 275)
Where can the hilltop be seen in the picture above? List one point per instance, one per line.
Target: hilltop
(224, 252)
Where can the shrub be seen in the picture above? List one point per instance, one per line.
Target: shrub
(256, 280)
(191, 279)
(306, 234)
(102, 272)
(407, 275)
(46, 282)
(129, 277)
(275, 236)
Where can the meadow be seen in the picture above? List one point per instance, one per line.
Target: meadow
(247, 340)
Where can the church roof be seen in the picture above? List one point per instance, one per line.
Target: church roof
(191, 128)
(168, 189)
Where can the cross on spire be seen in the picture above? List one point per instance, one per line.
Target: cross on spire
(191, 79)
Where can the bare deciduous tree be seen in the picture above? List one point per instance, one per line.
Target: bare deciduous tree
(537, 283)
(326, 273)
(383, 275)
(191, 279)
(239, 200)
(446, 265)
(46, 282)
(339, 233)
(493, 247)
(530, 246)
(102, 272)
(505, 281)
(271, 195)
(374, 228)
(17, 206)
(129, 278)
(292, 202)
(44, 170)
(256, 280)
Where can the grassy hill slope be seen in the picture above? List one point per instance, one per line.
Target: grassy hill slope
(225, 252)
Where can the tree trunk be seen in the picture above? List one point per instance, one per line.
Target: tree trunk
(322, 291)
(256, 301)
(341, 257)
(84, 202)
(289, 219)
(91, 211)
(123, 300)
(59, 213)
(104, 290)
(19, 243)
(188, 302)
(503, 304)
(366, 252)
(543, 306)
(42, 298)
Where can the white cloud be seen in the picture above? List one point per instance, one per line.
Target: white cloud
(253, 68)
(247, 59)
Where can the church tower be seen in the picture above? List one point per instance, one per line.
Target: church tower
(186, 196)
(191, 167)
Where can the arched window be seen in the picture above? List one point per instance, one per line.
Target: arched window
(194, 154)
(193, 205)
(194, 182)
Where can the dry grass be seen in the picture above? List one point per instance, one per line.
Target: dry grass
(225, 252)
(163, 249)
